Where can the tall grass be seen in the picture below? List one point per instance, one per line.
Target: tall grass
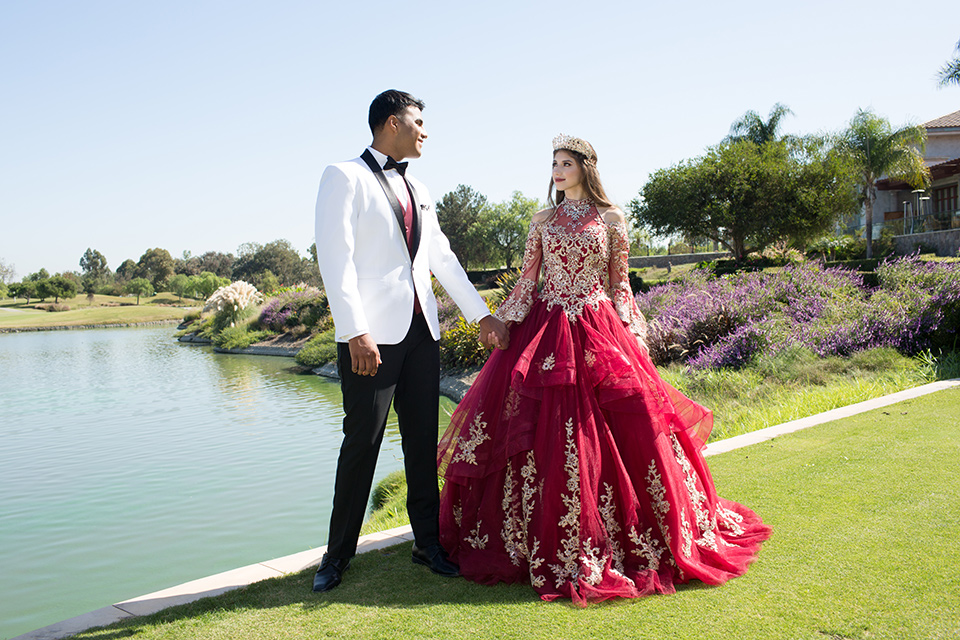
(796, 383)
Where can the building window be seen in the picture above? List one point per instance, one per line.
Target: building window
(945, 199)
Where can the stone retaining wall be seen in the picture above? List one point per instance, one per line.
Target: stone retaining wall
(255, 350)
(946, 243)
(453, 387)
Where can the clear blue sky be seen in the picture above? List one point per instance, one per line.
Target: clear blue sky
(200, 125)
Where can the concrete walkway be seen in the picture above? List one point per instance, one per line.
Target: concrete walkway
(222, 582)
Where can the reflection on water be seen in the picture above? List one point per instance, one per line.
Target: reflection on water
(130, 462)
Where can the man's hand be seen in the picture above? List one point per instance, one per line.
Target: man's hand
(364, 355)
(493, 333)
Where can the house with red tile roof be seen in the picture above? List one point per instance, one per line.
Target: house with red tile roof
(930, 217)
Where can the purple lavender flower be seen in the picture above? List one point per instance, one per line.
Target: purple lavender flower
(707, 321)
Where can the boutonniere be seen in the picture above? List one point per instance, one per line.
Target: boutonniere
(424, 207)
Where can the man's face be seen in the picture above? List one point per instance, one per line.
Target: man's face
(410, 133)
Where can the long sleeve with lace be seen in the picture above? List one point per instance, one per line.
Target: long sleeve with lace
(619, 290)
(517, 305)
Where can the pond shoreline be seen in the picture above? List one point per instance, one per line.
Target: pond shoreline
(109, 325)
(453, 385)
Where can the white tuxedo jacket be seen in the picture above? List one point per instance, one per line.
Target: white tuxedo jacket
(364, 262)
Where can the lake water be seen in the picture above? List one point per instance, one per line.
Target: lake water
(130, 463)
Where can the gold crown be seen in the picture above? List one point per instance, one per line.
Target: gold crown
(563, 141)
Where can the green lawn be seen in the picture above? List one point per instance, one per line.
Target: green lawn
(866, 515)
(100, 310)
(657, 275)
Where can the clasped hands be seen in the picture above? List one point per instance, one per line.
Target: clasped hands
(365, 355)
(494, 333)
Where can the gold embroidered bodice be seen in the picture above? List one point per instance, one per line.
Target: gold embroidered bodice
(583, 260)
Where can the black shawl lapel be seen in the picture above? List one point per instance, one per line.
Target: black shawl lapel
(377, 170)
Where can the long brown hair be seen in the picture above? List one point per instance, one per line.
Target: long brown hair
(591, 181)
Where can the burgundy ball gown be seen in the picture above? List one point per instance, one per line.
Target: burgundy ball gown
(570, 464)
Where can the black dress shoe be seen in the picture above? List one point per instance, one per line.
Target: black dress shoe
(434, 557)
(330, 573)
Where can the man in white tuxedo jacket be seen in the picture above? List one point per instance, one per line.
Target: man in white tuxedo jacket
(378, 241)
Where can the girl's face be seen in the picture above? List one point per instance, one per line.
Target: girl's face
(567, 173)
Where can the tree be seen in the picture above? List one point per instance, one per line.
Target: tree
(25, 289)
(94, 263)
(203, 285)
(506, 226)
(279, 257)
(127, 270)
(44, 290)
(752, 127)
(458, 211)
(60, 286)
(266, 282)
(178, 284)
(139, 287)
(220, 264)
(156, 265)
(877, 150)
(189, 264)
(747, 196)
(43, 274)
(95, 270)
(7, 272)
(950, 72)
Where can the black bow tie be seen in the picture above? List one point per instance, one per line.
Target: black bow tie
(401, 167)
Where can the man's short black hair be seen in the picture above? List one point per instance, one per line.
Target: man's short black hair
(390, 103)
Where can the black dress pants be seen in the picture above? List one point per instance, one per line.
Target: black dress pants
(409, 376)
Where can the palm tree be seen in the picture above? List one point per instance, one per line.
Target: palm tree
(950, 72)
(877, 151)
(752, 127)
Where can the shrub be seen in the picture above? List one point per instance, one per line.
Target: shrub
(54, 307)
(506, 282)
(319, 350)
(637, 285)
(460, 346)
(232, 303)
(111, 289)
(194, 326)
(733, 350)
(291, 308)
(239, 337)
(385, 489)
(709, 321)
(447, 310)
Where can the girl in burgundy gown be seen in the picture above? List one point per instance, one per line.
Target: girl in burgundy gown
(570, 464)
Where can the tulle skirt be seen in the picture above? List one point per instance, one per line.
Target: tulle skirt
(570, 464)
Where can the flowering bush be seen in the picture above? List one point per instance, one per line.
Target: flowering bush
(302, 306)
(232, 302)
(447, 309)
(460, 346)
(727, 321)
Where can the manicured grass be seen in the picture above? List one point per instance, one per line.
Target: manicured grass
(866, 514)
(101, 310)
(657, 275)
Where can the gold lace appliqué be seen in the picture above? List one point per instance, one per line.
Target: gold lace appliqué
(465, 450)
(568, 555)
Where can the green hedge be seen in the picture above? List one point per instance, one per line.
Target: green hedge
(319, 350)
